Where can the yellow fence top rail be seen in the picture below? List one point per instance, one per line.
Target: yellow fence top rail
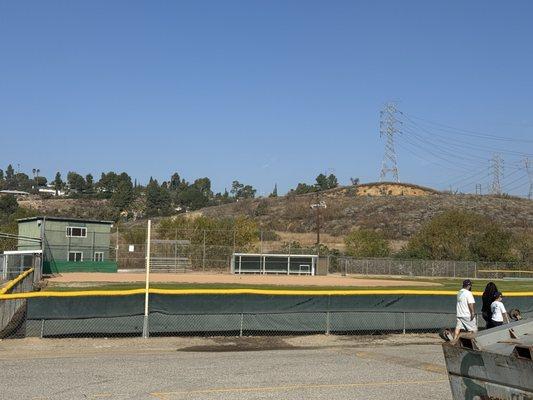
(267, 292)
(13, 282)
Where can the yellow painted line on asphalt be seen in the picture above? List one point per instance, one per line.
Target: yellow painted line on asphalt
(402, 361)
(165, 395)
(91, 396)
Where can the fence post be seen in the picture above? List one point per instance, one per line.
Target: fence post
(345, 267)
(242, 322)
(327, 322)
(116, 247)
(203, 255)
(42, 328)
(404, 322)
(147, 287)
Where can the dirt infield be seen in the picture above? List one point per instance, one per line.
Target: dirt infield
(196, 278)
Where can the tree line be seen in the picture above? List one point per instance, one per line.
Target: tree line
(159, 199)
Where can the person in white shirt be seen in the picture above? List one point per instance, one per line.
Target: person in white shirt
(499, 314)
(466, 316)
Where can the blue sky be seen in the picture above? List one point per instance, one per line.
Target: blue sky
(265, 91)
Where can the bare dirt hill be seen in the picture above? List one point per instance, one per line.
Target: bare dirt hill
(398, 216)
(398, 210)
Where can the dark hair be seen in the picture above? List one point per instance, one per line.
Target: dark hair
(488, 297)
(490, 290)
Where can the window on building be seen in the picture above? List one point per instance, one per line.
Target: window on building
(76, 231)
(98, 256)
(75, 256)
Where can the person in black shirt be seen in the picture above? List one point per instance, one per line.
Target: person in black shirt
(488, 298)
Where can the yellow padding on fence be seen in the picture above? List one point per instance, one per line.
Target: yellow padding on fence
(269, 292)
(13, 282)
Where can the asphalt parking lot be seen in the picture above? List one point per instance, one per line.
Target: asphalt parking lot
(315, 367)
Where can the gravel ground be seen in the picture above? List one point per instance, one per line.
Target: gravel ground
(310, 367)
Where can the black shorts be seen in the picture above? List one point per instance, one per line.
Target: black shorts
(497, 323)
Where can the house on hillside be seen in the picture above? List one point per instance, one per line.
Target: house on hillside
(69, 244)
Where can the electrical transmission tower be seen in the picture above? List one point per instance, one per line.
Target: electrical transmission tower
(496, 171)
(388, 127)
(529, 169)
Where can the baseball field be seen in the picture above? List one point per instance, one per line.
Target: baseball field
(125, 281)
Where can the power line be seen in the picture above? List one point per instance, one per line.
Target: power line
(463, 143)
(496, 171)
(471, 133)
(388, 127)
(529, 170)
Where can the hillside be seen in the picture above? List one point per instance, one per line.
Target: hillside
(76, 208)
(397, 210)
(398, 216)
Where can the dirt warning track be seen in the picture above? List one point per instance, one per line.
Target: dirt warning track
(200, 278)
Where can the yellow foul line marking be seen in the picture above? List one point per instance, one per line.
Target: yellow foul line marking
(162, 395)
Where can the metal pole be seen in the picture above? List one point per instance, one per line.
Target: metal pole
(317, 227)
(242, 323)
(345, 266)
(92, 246)
(116, 248)
(146, 294)
(176, 251)
(404, 323)
(234, 240)
(203, 256)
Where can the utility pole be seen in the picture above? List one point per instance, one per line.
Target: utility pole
(529, 169)
(317, 206)
(496, 171)
(478, 189)
(388, 128)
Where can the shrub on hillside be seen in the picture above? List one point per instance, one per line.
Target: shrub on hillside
(366, 243)
(523, 245)
(460, 235)
(222, 232)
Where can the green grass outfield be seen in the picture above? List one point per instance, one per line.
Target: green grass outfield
(444, 285)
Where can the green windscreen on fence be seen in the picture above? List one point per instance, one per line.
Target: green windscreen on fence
(215, 313)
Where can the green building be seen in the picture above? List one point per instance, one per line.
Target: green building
(69, 244)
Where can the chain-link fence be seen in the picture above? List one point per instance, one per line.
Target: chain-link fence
(429, 268)
(12, 312)
(246, 324)
(195, 250)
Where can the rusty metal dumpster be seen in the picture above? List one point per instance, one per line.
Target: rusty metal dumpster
(494, 364)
